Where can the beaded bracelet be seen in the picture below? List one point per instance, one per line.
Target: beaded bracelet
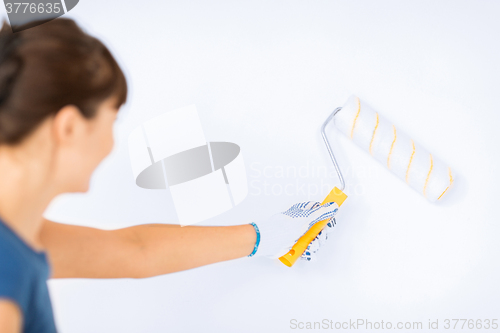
(258, 239)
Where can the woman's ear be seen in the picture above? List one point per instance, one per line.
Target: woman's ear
(68, 125)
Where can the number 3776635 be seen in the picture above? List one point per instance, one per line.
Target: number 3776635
(26, 7)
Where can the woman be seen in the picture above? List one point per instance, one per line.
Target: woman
(60, 91)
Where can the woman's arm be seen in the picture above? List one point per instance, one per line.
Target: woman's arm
(10, 317)
(141, 251)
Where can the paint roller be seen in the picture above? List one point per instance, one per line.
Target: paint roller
(408, 160)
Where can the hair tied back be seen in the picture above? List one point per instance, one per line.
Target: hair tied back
(10, 63)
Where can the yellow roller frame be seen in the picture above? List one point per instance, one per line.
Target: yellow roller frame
(291, 257)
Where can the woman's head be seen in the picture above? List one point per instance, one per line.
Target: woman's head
(60, 86)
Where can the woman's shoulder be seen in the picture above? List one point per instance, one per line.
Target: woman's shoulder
(16, 253)
(19, 269)
(23, 275)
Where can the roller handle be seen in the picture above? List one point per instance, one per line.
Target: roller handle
(291, 257)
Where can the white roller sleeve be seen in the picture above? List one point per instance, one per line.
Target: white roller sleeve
(421, 170)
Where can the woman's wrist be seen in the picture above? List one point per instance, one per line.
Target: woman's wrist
(249, 239)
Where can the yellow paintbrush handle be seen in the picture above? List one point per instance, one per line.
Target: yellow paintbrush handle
(291, 257)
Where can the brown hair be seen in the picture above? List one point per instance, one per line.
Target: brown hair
(44, 68)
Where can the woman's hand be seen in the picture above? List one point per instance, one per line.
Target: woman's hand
(314, 246)
(281, 231)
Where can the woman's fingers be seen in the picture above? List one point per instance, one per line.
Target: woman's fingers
(320, 240)
(323, 212)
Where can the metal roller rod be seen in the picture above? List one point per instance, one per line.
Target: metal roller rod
(327, 143)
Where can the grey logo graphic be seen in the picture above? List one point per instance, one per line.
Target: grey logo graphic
(204, 178)
(25, 15)
(188, 165)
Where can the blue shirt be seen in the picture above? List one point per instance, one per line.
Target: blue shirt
(23, 280)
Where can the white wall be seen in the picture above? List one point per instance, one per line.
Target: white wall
(265, 75)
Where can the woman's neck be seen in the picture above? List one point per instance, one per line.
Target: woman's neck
(25, 193)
